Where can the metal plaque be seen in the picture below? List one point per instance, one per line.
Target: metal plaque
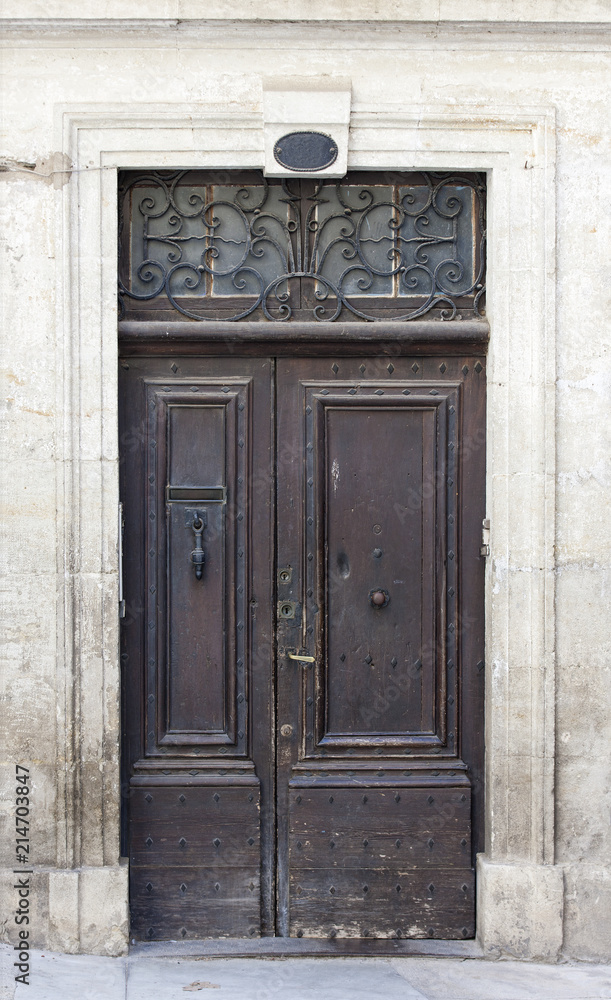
(305, 151)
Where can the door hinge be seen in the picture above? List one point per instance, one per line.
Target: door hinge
(121, 529)
(485, 546)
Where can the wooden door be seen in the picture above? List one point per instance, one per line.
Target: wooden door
(303, 733)
(197, 653)
(380, 502)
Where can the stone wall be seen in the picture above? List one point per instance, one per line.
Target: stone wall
(517, 90)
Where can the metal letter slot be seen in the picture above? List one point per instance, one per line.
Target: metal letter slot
(197, 494)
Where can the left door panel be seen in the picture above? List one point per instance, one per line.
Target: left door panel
(197, 647)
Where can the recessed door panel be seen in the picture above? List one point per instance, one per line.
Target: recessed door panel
(197, 564)
(199, 677)
(190, 423)
(381, 455)
(200, 653)
(372, 454)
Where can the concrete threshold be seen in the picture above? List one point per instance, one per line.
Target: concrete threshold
(276, 947)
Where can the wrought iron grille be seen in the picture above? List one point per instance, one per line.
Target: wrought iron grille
(228, 245)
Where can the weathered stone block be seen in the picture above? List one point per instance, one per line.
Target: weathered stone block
(521, 910)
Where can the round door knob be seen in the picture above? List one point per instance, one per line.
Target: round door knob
(379, 598)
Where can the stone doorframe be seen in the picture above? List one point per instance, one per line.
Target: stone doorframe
(520, 891)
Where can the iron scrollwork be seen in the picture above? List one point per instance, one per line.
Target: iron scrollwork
(413, 244)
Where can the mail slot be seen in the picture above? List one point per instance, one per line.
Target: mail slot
(209, 494)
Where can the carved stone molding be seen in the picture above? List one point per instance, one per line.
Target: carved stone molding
(515, 146)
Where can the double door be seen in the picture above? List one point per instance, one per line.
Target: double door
(302, 645)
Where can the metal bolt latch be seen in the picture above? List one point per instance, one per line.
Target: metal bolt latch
(485, 546)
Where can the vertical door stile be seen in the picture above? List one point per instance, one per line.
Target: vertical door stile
(197, 645)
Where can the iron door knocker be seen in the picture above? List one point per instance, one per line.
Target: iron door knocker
(198, 557)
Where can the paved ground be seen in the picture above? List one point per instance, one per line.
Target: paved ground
(142, 977)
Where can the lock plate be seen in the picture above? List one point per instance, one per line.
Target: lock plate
(287, 609)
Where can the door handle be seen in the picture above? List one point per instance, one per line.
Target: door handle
(198, 556)
(301, 658)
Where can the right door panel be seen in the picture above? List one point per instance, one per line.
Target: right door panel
(380, 502)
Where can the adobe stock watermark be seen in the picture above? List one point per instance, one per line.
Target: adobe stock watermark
(22, 883)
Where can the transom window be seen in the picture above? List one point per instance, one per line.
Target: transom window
(231, 245)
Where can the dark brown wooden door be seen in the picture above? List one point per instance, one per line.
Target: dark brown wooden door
(303, 723)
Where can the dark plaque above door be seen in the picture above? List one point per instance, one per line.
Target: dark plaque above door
(305, 151)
